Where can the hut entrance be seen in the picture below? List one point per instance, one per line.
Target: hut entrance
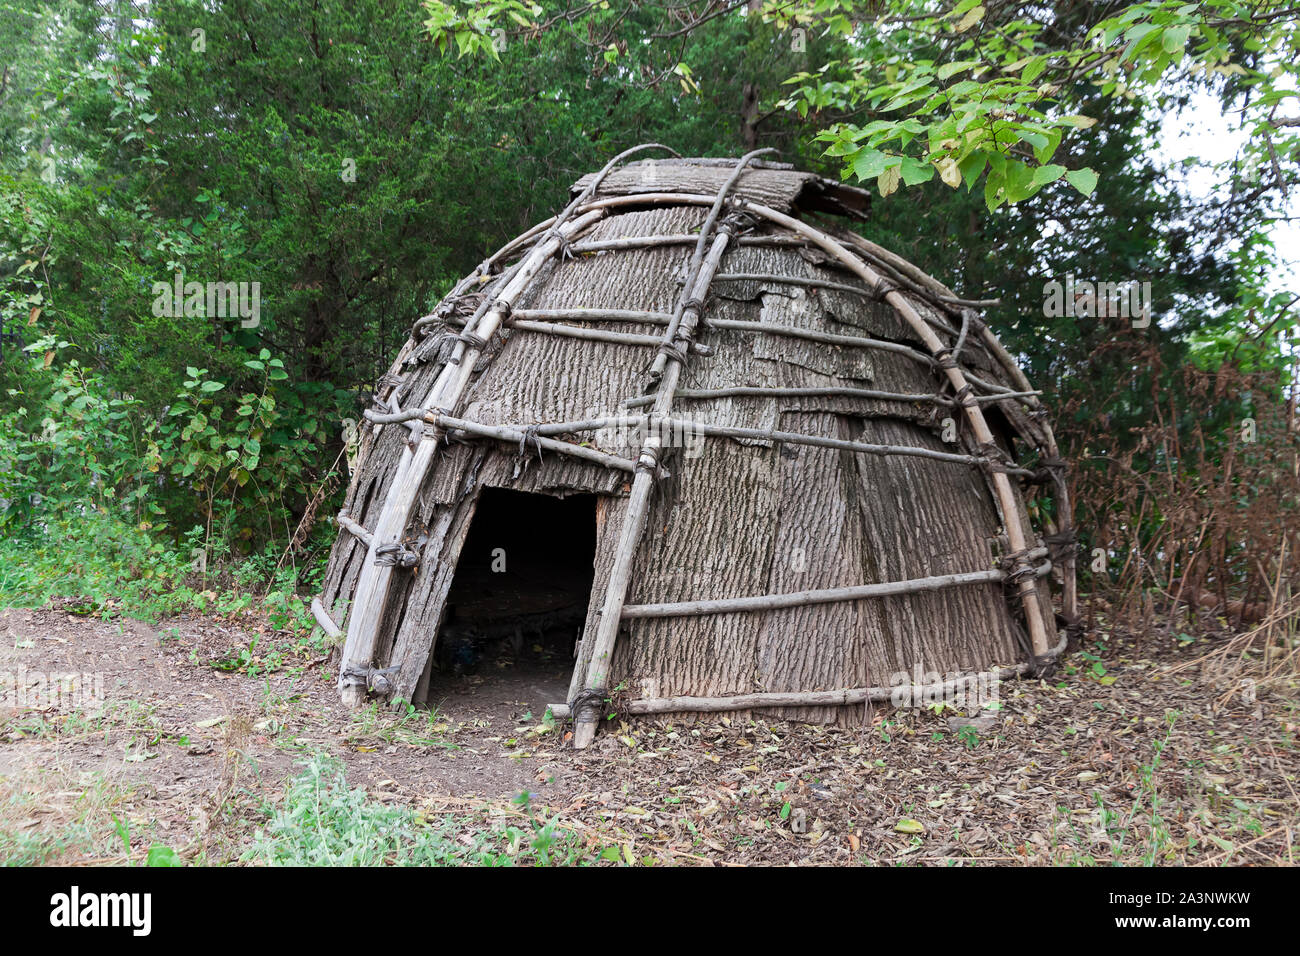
(519, 596)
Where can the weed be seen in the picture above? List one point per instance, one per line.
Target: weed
(321, 822)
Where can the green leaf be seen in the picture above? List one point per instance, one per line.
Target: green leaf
(971, 167)
(1048, 174)
(870, 163)
(1049, 150)
(915, 172)
(160, 855)
(907, 825)
(1020, 181)
(1084, 180)
(887, 182)
(1175, 39)
(971, 18)
(212, 386)
(1035, 139)
(952, 69)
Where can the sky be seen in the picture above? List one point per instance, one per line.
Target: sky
(1204, 131)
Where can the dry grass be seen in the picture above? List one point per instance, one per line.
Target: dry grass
(1199, 508)
(1262, 660)
(56, 816)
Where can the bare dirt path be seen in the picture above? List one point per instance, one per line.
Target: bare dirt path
(1115, 758)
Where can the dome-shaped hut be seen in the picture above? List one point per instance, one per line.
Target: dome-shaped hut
(754, 461)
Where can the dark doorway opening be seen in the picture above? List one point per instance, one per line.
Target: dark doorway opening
(518, 600)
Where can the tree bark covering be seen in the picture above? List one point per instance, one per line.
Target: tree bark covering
(746, 517)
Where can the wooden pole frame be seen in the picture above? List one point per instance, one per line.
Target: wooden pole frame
(373, 584)
(375, 579)
(589, 246)
(554, 235)
(772, 602)
(539, 433)
(594, 663)
(945, 296)
(539, 320)
(1003, 492)
(592, 670)
(765, 391)
(817, 698)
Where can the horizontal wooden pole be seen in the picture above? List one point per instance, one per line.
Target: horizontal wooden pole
(529, 324)
(690, 426)
(768, 602)
(829, 392)
(769, 328)
(677, 239)
(687, 426)
(593, 315)
(817, 698)
(766, 328)
(509, 433)
(755, 391)
(589, 335)
(504, 433)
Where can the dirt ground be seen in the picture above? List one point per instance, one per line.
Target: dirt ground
(1118, 757)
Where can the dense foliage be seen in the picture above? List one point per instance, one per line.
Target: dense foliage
(343, 161)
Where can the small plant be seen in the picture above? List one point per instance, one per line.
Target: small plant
(404, 724)
(322, 822)
(544, 840)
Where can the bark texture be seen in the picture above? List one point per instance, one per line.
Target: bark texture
(741, 517)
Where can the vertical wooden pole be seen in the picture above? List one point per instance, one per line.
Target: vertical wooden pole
(375, 579)
(666, 370)
(371, 595)
(602, 651)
